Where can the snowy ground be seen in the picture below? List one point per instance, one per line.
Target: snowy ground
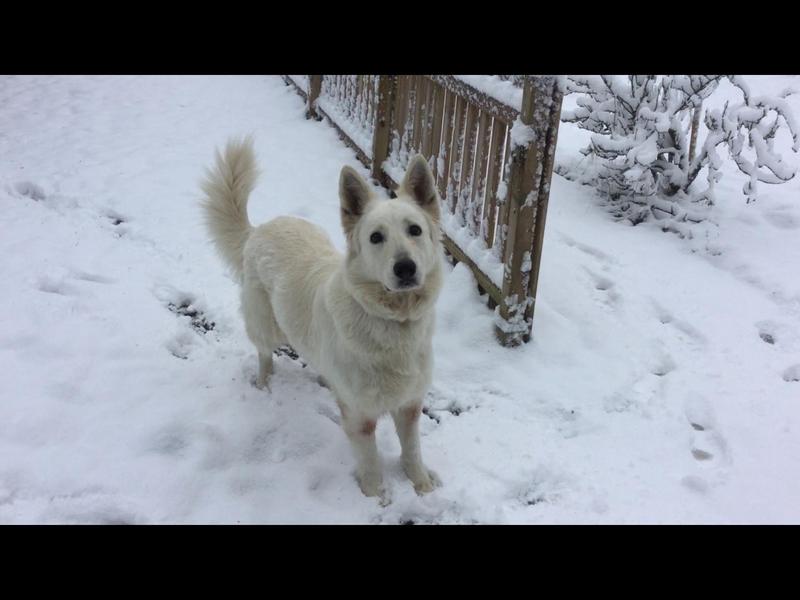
(661, 385)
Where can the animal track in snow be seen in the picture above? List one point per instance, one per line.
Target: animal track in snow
(58, 281)
(664, 366)
(543, 486)
(792, 373)
(119, 222)
(55, 285)
(783, 217)
(708, 446)
(29, 190)
(595, 253)
(180, 346)
(604, 284)
(782, 336)
(667, 318)
(91, 277)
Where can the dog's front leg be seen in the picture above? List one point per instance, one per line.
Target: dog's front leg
(406, 422)
(360, 429)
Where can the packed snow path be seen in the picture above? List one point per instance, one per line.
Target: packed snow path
(662, 385)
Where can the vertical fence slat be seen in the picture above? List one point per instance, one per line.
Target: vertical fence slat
(427, 119)
(502, 217)
(419, 107)
(381, 138)
(402, 114)
(405, 148)
(477, 193)
(445, 143)
(376, 82)
(493, 178)
(436, 126)
(314, 88)
(465, 174)
(456, 144)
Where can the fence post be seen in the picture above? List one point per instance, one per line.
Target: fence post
(314, 88)
(381, 137)
(533, 142)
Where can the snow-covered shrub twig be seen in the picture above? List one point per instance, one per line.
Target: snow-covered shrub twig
(639, 154)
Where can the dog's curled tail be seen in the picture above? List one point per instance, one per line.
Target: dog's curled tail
(227, 187)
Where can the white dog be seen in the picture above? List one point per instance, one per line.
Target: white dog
(364, 321)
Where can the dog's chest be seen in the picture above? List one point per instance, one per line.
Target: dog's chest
(390, 373)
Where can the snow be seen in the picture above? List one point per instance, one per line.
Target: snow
(473, 247)
(501, 90)
(661, 384)
(300, 81)
(521, 134)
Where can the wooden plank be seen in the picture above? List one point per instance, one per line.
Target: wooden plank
(528, 167)
(493, 178)
(349, 96)
(543, 198)
(314, 88)
(493, 106)
(483, 280)
(465, 178)
(358, 100)
(456, 146)
(436, 126)
(503, 207)
(420, 93)
(413, 97)
(400, 118)
(376, 80)
(477, 193)
(427, 118)
(381, 137)
(445, 144)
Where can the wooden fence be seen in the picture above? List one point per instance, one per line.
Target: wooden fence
(492, 163)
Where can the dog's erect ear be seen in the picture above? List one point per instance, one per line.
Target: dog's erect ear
(419, 184)
(354, 195)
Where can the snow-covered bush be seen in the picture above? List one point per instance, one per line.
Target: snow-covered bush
(641, 156)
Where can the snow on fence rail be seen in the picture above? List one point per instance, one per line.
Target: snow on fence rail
(492, 162)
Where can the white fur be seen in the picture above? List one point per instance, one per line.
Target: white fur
(348, 316)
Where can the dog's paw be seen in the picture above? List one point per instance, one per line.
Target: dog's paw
(424, 479)
(371, 485)
(261, 384)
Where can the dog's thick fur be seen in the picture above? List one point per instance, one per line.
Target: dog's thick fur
(362, 326)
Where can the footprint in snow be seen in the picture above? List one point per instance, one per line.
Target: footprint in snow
(29, 190)
(792, 374)
(708, 447)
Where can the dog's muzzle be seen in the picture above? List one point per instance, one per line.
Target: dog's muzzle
(406, 272)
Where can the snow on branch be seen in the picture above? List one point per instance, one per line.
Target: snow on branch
(641, 143)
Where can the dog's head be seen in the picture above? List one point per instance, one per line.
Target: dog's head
(393, 246)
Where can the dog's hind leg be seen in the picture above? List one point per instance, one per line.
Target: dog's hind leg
(264, 369)
(261, 327)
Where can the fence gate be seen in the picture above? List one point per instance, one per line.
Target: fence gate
(492, 163)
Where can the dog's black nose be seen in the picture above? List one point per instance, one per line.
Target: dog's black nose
(405, 269)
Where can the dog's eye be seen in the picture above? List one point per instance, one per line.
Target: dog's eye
(376, 237)
(415, 230)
